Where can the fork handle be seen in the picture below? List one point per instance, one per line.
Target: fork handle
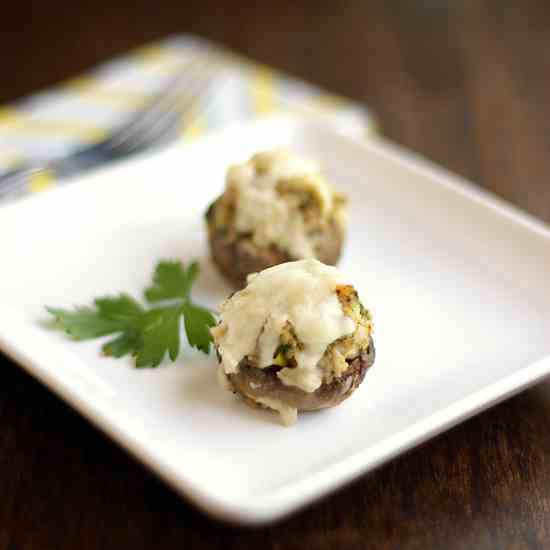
(16, 181)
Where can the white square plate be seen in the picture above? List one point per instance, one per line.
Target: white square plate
(458, 282)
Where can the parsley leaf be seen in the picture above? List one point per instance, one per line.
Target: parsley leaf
(122, 307)
(146, 334)
(160, 333)
(128, 342)
(171, 281)
(198, 321)
(112, 314)
(85, 323)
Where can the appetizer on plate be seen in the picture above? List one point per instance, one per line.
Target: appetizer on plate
(296, 338)
(276, 207)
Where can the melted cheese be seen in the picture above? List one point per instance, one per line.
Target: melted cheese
(302, 293)
(287, 414)
(261, 210)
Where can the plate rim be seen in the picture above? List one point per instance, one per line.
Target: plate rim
(261, 509)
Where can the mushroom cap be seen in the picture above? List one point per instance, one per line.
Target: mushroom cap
(252, 382)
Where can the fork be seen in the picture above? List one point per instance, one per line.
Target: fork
(157, 122)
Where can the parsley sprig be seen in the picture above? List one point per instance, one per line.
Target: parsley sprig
(147, 333)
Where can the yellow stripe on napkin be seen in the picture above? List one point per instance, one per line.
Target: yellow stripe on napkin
(22, 124)
(93, 90)
(41, 181)
(195, 128)
(262, 86)
(157, 58)
(194, 124)
(328, 102)
(7, 114)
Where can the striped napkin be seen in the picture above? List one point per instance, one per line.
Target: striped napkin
(84, 110)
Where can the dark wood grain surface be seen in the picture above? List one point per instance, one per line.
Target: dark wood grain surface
(465, 83)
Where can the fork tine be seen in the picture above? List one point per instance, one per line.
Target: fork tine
(194, 80)
(170, 120)
(163, 114)
(157, 105)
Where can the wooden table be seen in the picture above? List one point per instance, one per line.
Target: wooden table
(466, 84)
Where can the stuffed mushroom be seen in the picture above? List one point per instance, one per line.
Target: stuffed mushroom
(296, 338)
(276, 207)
